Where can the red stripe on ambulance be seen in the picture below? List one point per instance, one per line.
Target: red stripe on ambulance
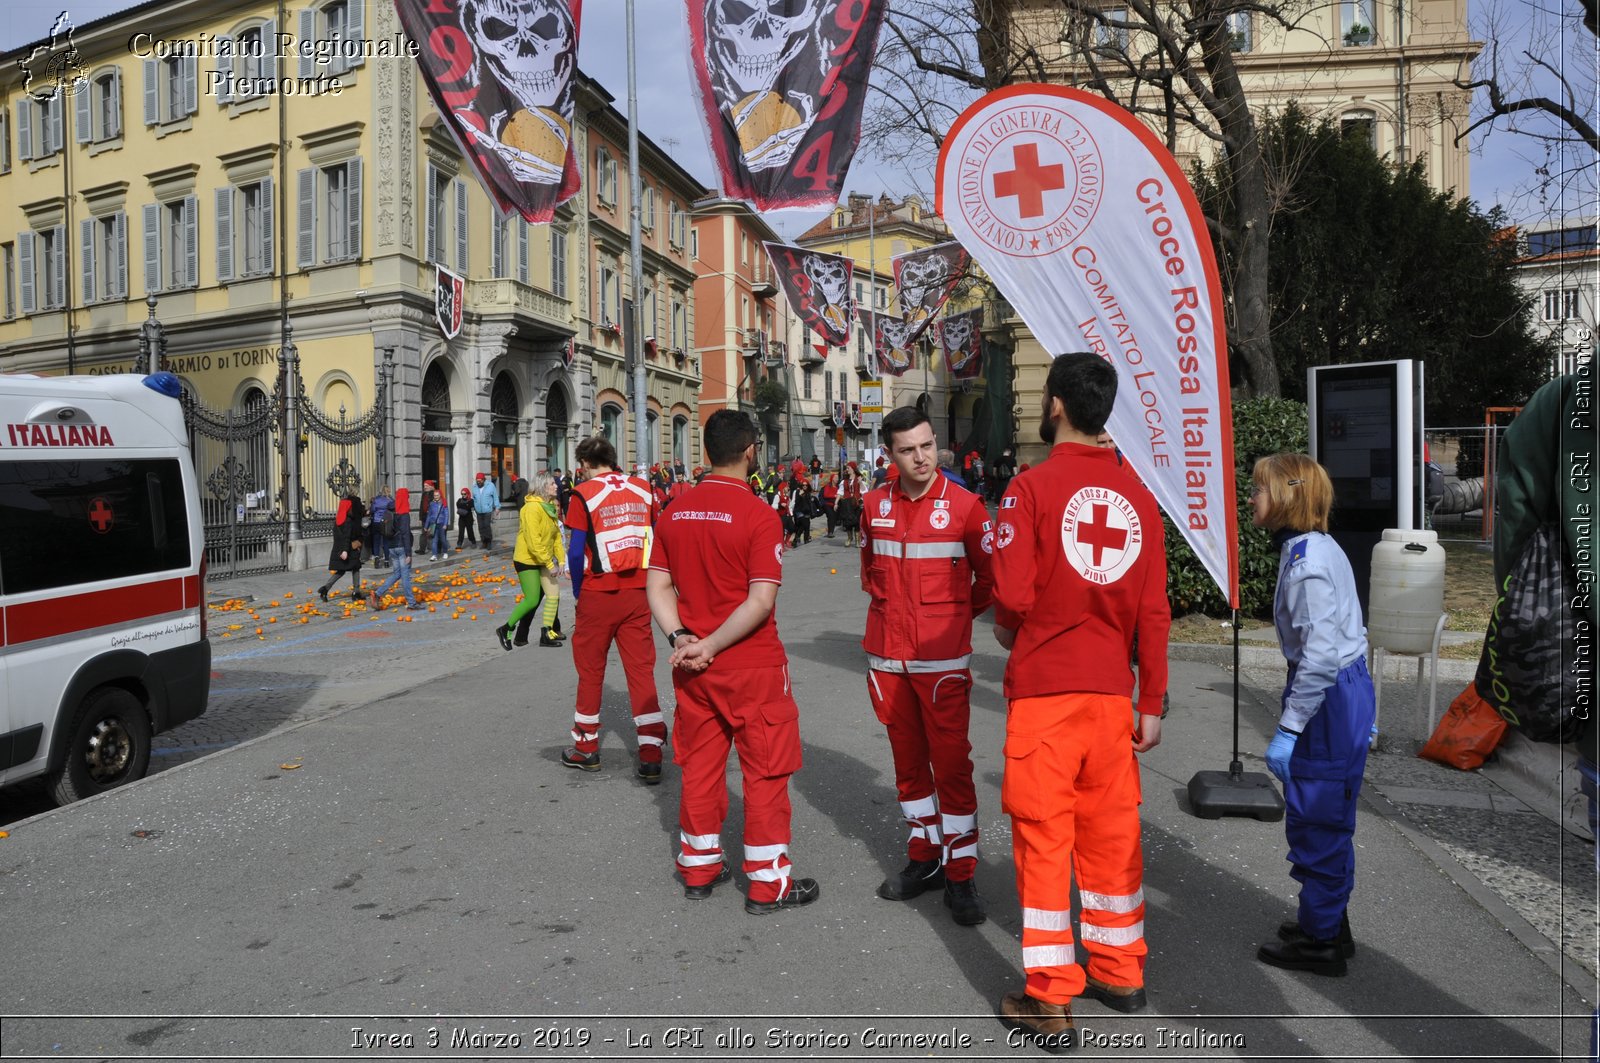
(73, 613)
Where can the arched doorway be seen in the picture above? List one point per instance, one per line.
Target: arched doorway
(503, 417)
(438, 437)
(680, 440)
(555, 428)
(611, 424)
(257, 453)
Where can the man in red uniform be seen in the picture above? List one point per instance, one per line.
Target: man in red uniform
(610, 515)
(924, 562)
(714, 575)
(1080, 569)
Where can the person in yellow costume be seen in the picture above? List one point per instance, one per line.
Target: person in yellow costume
(538, 563)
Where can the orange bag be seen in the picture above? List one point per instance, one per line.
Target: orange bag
(1467, 734)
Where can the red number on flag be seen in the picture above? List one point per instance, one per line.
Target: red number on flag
(813, 164)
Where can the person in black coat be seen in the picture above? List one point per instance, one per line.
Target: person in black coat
(346, 553)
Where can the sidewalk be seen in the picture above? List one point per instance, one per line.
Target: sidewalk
(426, 862)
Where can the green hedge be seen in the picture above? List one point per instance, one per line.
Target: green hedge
(1260, 427)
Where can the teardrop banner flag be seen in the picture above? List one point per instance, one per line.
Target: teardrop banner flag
(1087, 225)
(501, 73)
(924, 279)
(961, 338)
(781, 85)
(818, 288)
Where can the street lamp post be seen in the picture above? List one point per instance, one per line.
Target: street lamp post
(152, 342)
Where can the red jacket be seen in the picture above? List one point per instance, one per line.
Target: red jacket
(928, 569)
(1080, 566)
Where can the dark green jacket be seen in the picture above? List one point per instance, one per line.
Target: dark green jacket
(1547, 473)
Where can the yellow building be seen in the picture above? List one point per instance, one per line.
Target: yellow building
(1383, 69)
(259, 165)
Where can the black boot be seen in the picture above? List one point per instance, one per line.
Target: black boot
(1307, 954)
(961, 897)
(1290, 931)
(545, 639)
(917, 878)
(503, 633)
(323, 591)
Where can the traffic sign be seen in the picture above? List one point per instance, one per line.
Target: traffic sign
(871, 403)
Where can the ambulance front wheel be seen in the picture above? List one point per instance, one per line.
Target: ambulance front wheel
(109, 745)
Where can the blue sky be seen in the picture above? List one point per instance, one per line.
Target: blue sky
(1500, 164)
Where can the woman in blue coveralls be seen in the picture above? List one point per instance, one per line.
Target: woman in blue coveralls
(1320, 748)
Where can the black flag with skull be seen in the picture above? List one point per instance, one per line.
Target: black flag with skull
(961, 336)
(781, 85)
(924, 279)
(501, 73)
(818, 288)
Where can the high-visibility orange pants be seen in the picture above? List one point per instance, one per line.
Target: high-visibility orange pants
(1072, 790)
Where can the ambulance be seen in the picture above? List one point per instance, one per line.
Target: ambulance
(102, 577)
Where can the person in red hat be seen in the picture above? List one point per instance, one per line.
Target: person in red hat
(925, 561)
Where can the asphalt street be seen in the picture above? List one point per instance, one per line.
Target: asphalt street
(367, 849)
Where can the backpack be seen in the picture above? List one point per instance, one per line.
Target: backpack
(383, 516)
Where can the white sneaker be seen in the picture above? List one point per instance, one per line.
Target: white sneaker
(433, 557)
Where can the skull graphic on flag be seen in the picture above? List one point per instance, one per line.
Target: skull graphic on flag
(501, 74)
(818, 288)
(961, 336)
(925, 279)
(891, 343)
(781, 85)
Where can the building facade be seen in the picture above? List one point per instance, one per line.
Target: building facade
(268, 171)
(1559, 268)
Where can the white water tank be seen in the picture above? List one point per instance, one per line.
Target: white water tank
(1407, 591)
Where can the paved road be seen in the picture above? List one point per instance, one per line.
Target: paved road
(426, 864)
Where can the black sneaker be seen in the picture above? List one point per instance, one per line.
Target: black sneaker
(700, 893)
(323, 592)
(1290, 931)
(582, 761)
(649, 770)
(545, 639)
(961, 897)
(802, 891)
(520, 640)
(918, 877)
(503, 633)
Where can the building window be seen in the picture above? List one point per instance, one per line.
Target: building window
(5, 138)
(744, 249)
(329, 201)
(1239, 38)
(1361, 125)
(680, 226)
(1577, 238)
(694, 243)
(827, 393)
(446, 220)
(510, 250)
(39, 132)
(8, 260)
(99, 111)
(171, 89)
(103, 257)
(679, 319)
(558, 261)
(611, 423)
(1110, 36)
(610, 297)
(680, 440)
(342, 25)
(1561, 304)
(805, 382)
(250, 69)
(1357, 19)
(652, 435)
(42, 269)
(649, 315)
(171, 245)
(245, 230)
(647, 208)
(838, 219)
(605, 171)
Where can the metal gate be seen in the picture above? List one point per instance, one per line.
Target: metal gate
(238, 459)
(339, 455)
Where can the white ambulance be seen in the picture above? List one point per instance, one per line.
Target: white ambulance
(102, 579)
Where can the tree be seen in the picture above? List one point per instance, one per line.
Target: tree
(1370, 264)
(1538, 81)
(1171, 63)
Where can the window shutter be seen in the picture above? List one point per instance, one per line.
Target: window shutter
(152, 93)
(225, 70)
(120, 252)
(5, 138)
(461, 226)
(269, 51)
(191, 84)
(25, 277)
(86, 258)
(81, 113)
(191, 241)
(498, 246)
(430, 243)
(58, 266)
(352, 206)
(24, 129)
(58, 138)
(308, 32)
(355, 23)
(522, 249)
(306, 242)
(269, 226)
(152, 247)
(115, 129)
(224, 197)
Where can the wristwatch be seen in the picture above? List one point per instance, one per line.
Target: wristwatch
(672, 639)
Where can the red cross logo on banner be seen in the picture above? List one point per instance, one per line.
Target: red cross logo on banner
(1029, 181)
(1101, 534)
(101, 516)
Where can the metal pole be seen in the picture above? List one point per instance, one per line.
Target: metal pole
(636, 348)
(289, 370)
(872, 338)
(68, 233)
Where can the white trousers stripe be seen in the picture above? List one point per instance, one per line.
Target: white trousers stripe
(1035, 956)
(1120, 903)
(649, 717)
(685, 860)
(1045, 919)
(1111, 935)
(700, 841)
(579, 717)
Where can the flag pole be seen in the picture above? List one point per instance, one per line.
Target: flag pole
(635, 348)
(872, 338)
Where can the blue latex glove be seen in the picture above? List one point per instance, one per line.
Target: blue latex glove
(576, 560)
(1279, 750)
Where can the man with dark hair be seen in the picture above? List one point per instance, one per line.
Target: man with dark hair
(713, 582)
(1080, 569)
(925, 560)
(610, 516)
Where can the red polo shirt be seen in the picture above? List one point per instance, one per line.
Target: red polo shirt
(716, 541)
